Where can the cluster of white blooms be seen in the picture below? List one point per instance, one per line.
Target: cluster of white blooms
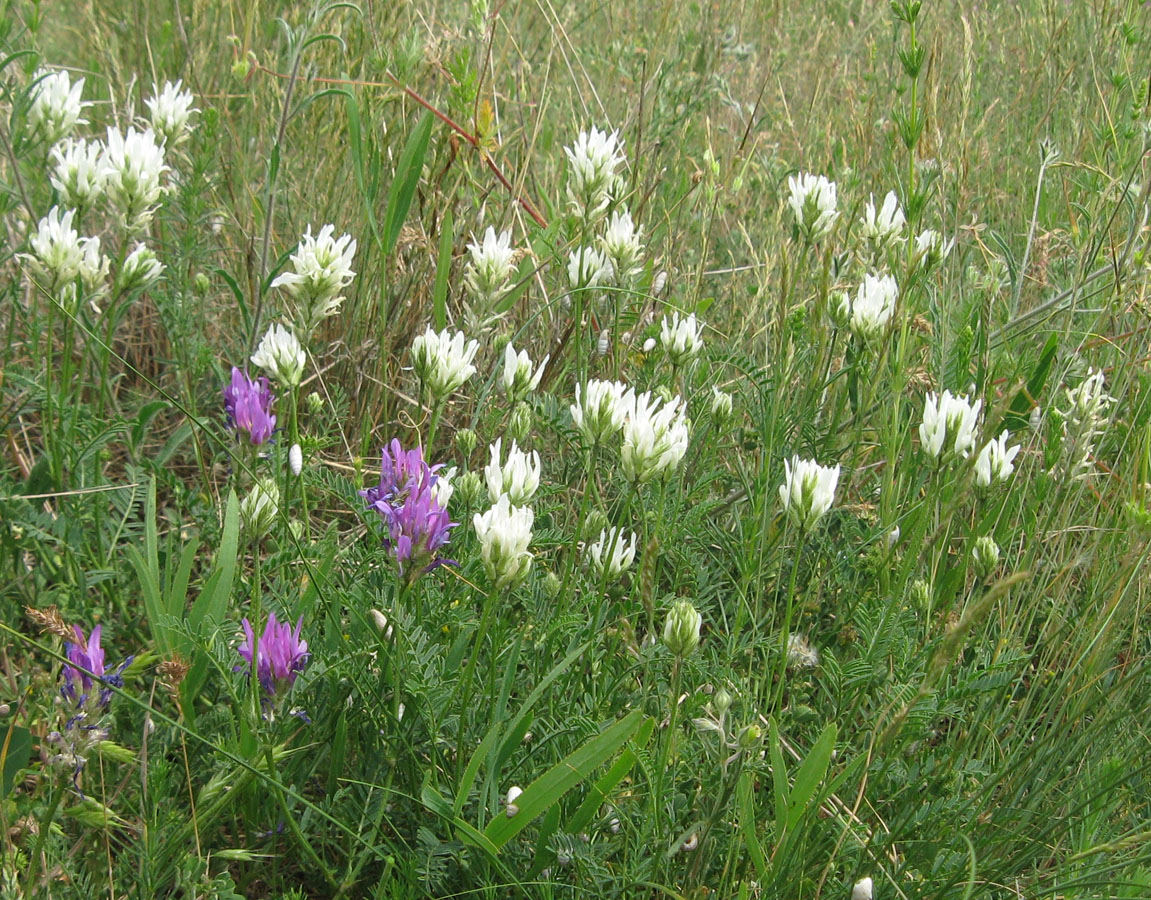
(868, 314)
(519, 379)
(171, 111)
(681, 630)
(518, 478)
(622, 245)
(995, 461)
(884, 228)
(133, 164)
(60, 255)
(681, 338)
(140, 270)
(490, 268)
(79, 174)
(813, 201)
(612, 554)
(949, 417)
(930, 250)
(321, 270)
(443, 361)
(593, 176)
(808, 490)
(600, 409)
(55, 105)
(588, 268)
(721, 405)
(281, 355)
(258, 510)
(655, 437)
(1084, 420)
(505, 533)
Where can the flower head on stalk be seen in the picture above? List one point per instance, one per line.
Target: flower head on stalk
(248, 405)
(281, 356)
(808, 490)
(885, 227)
(277, 658)
(78, 174)
(133, 164)
(655, 437)
(321, 269)
(519, 379)
(813, 200)
(443, 361)
(505, 532)
(592, 176)
(600, 409)
(949, 417)
(85, 696)
(490, 268)
(612, 554)
(412, 503)
(171, 111)
(56, 105)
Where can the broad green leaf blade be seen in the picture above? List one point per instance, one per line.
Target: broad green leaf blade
(546, 790)
(478, 756)
(15, 752)
(407, 176)
(443, 270)
(810, 774)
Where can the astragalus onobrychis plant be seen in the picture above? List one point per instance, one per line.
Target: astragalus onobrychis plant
(562, 450)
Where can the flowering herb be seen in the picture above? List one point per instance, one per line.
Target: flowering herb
(248, 404)
(277, 658)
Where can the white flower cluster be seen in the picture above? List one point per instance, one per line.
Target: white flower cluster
(79, 173)
(612, 554)
(55, 105)
(321, 270)
(884, 228)
(60, 257)
(519, 377)
(995, 461)
(133, 165)
(588, 268)
(505, 533)
(600, 409)
(593, 176)
(443, 361)
(680, 338)
(949, 419)
(655, 437)
(808, 490)
(622, 246)
(281, 355)
(490, 268)
(813, 200)
(517, 478)
(171, 112)
(869, 313)
(1084, 419)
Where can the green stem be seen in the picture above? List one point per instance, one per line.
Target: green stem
(666, 755)
(293, 825)
(785, 632)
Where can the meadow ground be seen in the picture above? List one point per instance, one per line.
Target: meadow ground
(556, 449)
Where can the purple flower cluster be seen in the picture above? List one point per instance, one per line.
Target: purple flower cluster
(278, 656)
(87, 693)
(406, 499)
(248, 404)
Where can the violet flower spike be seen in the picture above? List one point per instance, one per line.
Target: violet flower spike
(280, 655)
(417, 530)
(248, 404)
(401, 472)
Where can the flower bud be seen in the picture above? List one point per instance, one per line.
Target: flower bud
(920, 594)
(721, 406)
(296, 459)
(471, 488)
(383, 626)
(723, 701)
(315, 403)
(466, 441)
(985, 557)
(681, 631)
(520, 425)
(861, 890)
(513, 794)
(750, 737)
(258, 510)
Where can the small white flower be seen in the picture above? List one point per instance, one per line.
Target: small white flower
(55, 105)
(1085, 419)
(443, 487)
(680, 338)
(873, 306)
(655, 437)
(600, 410)
(443, 361)
(171, 111)
(94, 271)
(588, 268)
(321, 269)
(58, 251)
(800, 653)
(649, 345)
(505, 532)
(133, 164)
(813, 201)
(519, 379)
(79, 172)
(612, 554)
(518, 478)
(511, 809)
(490, 267)
(884, 228)
(592, 176)
(861, 890)
(140, 270)
(721, 404)
(995, 461)
(808, 490)
(281, 355)
(296, 459)
(949, 416)
(622, 243)
(259, 509)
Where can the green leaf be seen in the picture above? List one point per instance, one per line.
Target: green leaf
(468, 779)
(546, 790)
(1023, 402)
(14, 755)
(745, 799)
(810, 774)
(443, 270)
(404, 183)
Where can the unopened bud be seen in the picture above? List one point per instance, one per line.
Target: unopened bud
(513, 794)
(681, 631)
(466, 441)
(985, 556)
